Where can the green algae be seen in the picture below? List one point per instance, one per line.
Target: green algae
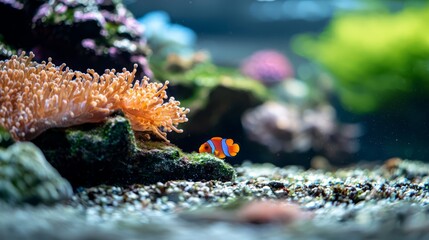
(375, 66)
(108, 143)
(204, 163)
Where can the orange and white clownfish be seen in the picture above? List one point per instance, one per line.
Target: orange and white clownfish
(220, 147)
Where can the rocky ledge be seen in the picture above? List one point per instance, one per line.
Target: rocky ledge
(109, 153)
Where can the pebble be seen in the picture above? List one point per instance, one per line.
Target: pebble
(317, 191)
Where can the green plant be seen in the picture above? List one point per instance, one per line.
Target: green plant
(378, 59)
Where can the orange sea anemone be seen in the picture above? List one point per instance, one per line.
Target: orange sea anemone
(38, 96)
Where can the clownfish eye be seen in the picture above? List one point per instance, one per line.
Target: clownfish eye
(206, 147)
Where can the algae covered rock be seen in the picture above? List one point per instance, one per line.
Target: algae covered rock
(108, 153)
(26, 176)
(169, 163)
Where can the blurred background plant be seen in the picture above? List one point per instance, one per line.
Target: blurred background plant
(379, 59)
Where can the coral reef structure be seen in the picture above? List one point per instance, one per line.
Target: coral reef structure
(286, 128)
(84, 33)
(165, 38)
(172, 45)
(37, 96)
(267, 66)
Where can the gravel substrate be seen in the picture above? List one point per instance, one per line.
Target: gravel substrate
(388, 202)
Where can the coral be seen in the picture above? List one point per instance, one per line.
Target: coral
(35, 97)
(283, 127)
(267, 66)
(376, 66)
(83, 33)
(172, 45)
(109, 153)
(166, 38)
(26, 176)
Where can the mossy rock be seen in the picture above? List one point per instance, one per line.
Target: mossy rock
(26, 176)
(195, 86)
(108, 153)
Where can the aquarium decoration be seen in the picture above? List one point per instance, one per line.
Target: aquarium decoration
(37, 96)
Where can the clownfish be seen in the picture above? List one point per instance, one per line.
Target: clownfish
(220, 147)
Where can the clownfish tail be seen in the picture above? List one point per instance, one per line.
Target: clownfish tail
(234, 149)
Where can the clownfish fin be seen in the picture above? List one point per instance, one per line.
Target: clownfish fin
(216, 153)
(216, 139)
(234, 149)
(220, 155)
(229, 142)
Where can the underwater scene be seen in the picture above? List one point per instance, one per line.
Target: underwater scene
(189, 119)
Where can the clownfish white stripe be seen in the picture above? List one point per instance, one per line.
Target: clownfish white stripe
(210, 142)
(225, 148)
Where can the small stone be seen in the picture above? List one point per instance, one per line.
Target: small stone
(266, 189)
(275, 184)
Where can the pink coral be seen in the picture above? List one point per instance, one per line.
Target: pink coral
(267, 66)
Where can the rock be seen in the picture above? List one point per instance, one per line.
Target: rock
(26, 176)
(108, 153)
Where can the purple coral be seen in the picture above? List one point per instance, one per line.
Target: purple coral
(96, 34)
(267, 66)
(13, 3)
